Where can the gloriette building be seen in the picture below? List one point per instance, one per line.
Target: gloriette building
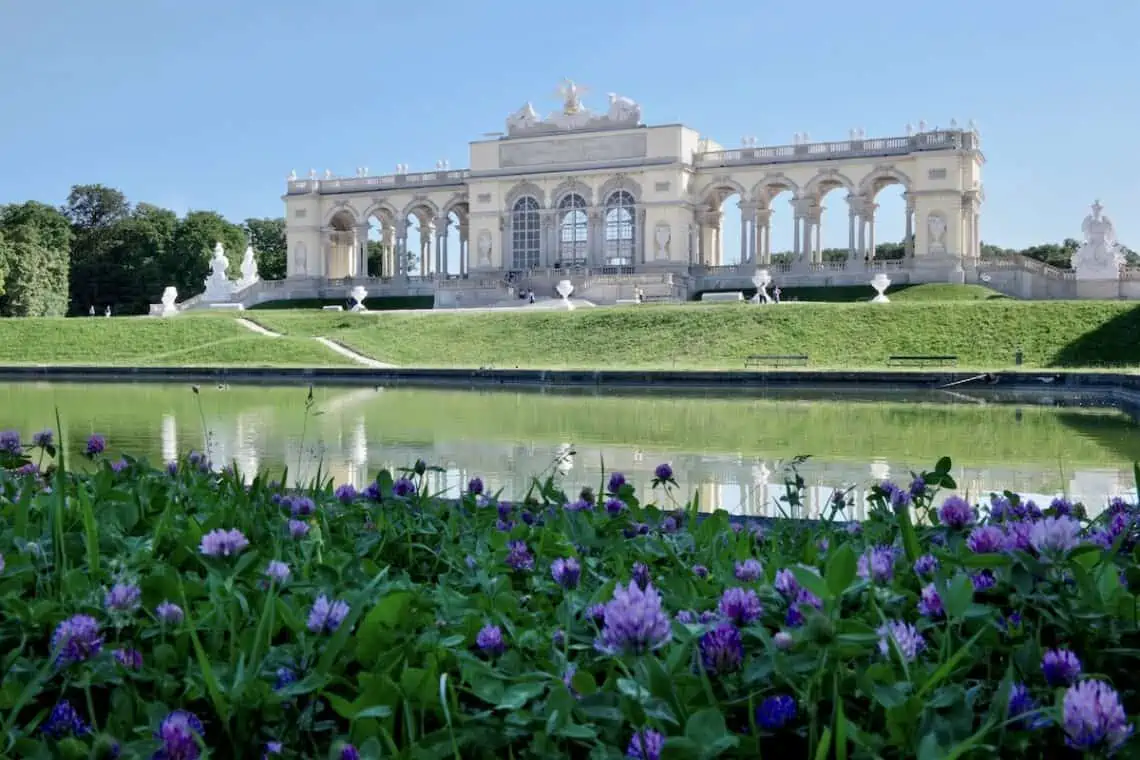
(613, 204)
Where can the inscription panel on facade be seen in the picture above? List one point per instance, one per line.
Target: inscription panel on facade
(573, 151)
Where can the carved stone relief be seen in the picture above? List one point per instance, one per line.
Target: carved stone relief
(573, 150)
(936, 231)
(484, 247)
(300, 259)
(661, 238)
(483, 198)
(936, 174)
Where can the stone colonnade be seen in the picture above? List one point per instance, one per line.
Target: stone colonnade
(345, 251)
(807, 245)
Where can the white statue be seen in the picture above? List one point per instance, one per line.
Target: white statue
(571, 97)
(936, 229)
(522, 119)
(248, 268)
(624, 109)
(169, 296)
(1099, 257)
(564, 288)
(484, 247)
(218, 286)
(762, 279)
(661, 237)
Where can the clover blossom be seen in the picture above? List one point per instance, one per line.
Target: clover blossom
(1055, 535)
(76, 639)
(169, 613)
(1094, 717)
(700, 571)
(490, 640)
(614, 506)
(877, 564)
(1061, 507)
(906, 637)
(403, 488)
(984, 580)
(1018, 535)
(748, 570)
(131, 659)
(783, 640)
(663, 472)
(634, 621)
(617, 480)
(475, 486)
(326, 616)
(299, 506)
(1021, 703)
(43, 439)
(96, 445)
(927, 564)
(740, 605)
(646, 744)
(579, 505)
(987, 539)
(956, 513)
(345, 493)
(918, 486)
(223, 543)
(722, 649)
(640, 574)
(123, 597)
(930, 603)
(776, 712)
(519, 557)
(277, 571)
(1060, 667)
(786, 584)
(10, 442)
(179, 732)
(566, 572)
(298, 528)
(64, 721)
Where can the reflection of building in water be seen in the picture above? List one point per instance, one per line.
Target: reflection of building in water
(169, 438)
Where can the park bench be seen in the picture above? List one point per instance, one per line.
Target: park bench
(775, 360)
(921, 361)
(734, 295)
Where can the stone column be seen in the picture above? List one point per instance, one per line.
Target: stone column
(761, 245)
(908, 239)
(441, 225)
(464, 264)
(326, 251)
(639, 254)
(745, 220)
(400, 251)
(852, 218)
(797, 226)
(549, 237)
(870, 217)
(596, 243)
(362, 252)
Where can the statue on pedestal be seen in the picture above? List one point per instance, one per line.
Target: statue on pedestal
(248, 269)
(218, 286)
(1099, 257)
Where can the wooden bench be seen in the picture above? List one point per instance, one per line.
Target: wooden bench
(735, 295)
(775, 360)
(921, 361)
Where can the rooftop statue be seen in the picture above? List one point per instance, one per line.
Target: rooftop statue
(623, 113)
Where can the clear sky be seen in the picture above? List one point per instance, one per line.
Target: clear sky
(209, 104)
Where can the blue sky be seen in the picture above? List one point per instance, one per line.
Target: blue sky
(208, 105)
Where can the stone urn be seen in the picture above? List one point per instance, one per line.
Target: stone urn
(880, 283)
(358, 294)
(564, 288)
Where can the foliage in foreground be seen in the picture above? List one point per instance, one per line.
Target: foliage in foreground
(179, 613)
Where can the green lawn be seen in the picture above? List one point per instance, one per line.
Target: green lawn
(984, 334)
(191, 340)
(934, 291)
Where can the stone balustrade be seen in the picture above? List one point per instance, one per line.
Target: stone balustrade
(845, 149)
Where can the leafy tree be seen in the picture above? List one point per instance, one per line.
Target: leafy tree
(36, 253)
(267, 236)
(143, 243)
(193, 247)
(97, 267)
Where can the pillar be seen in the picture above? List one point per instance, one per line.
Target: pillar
(908, 239)
(464, 264)
(761, 245)
(595, 256)
(851, 220)
(400, 252)
(870, 217)
(745, 248)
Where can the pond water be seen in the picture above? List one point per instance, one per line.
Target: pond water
(730, 450)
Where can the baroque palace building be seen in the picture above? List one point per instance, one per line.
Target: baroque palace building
(602, 199)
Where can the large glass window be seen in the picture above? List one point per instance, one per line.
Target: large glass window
(620, 229)
(573, 230)
(526, 234)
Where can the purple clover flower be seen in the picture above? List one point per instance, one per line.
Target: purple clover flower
(597, 613)
(10, 442)
(490, 640)
(566, 572)
(64, 721)
(786, 584)
(956, 513)
(983, 580)
(519, 557)
(640, 574)
(900, 500)
(299, 506)
(403, 488)
(1094, 717)
(76, 639)
(119, 465)
(634, 622)
(1021, 702)
(617, 480)
(169, 613)
(646, 744)
(1060, 667)
(326, 616)
(700, 571)
(1061, 507)
(131, 659)
(615, 506)
(43, 439)
(223, 543)
(298, 528)
(776, 712)
(749, 570)
(579, 505)
(722, 649)
(905, 636)
(96, 445)
(179, 732)
(1017, 535)
(877, 564)
(740, 605)
(372, 492)
(349, 752)
(273, 748)
(663, 472)
(930, 603)
(475, 486)
(988, 539)
(123, 597)
(277, 571)
(345, 493)
(1055, 535)
(1000, 507)
(927, 564)
(917, 486)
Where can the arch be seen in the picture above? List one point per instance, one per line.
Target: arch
(880, 177)
(524, 189)
(762, 191)
(417, 204)
(571, 187)
(619, 228)
(342, 220)
(340, 209)
(825, 181)
(383, 210)
(619, 182)
(714, 193)
(526, 233)
(457, 204)
(573, 230)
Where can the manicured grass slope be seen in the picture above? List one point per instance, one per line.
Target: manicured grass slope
(983, 334)
(190, 340)
(863, 293)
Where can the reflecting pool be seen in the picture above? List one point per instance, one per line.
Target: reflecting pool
(732, 451)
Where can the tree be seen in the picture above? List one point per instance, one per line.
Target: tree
(36, 253)
(267, 236)
(94, 211)
(193, 247)
(143, 244)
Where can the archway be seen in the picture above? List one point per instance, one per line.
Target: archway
(836, 226)
(381, 253)
(776, 240)
(420, 259)
(454, 253)
(888, 218)
(724, 236)
(340, 248)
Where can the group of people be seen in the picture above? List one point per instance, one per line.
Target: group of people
(106, 312)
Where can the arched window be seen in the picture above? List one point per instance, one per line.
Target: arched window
(620, 229)
(573, 230)
(526, 234)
